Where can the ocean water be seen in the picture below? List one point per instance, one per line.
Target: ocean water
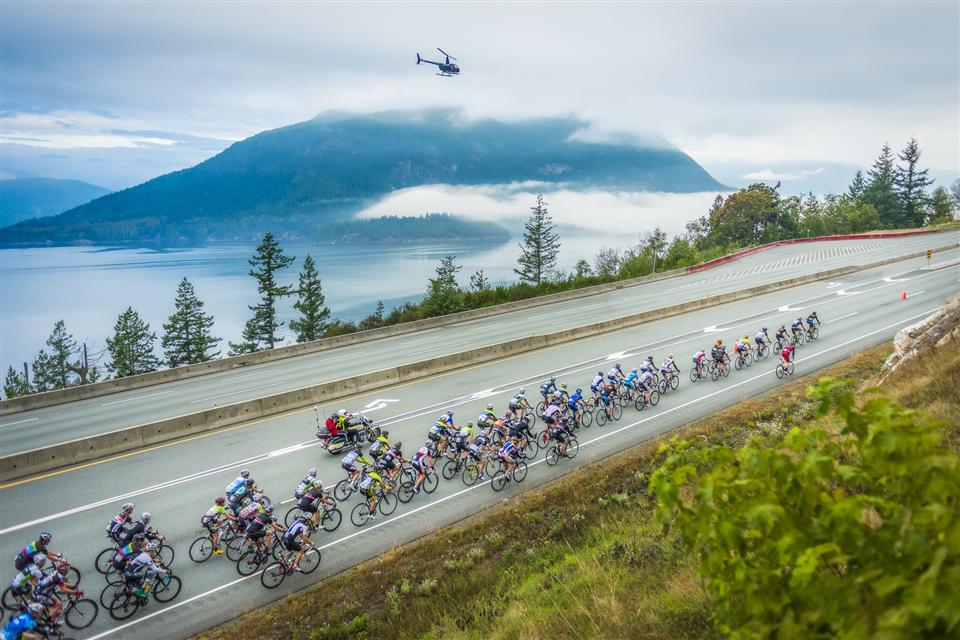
(89, 287)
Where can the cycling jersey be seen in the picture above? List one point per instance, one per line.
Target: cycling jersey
(796, 325)
(646, 378)
(379, 446)
(305, 484)
(23, 578)
(630, 379)
(115, 527)
(236, 484)
(547, 388)
(760, 338)
(25, 557)
(295, 530)
(421, 453)
(698, 356)
(597, 381)
(350, 458)
(509, 450)
(647, 365)
(213, 514)
(574, 400)
(124, 553)
(810, 320)
(48, 584)
(615, 373)
(248, 511)
(390, 454)
(18, 625)
(444, 421)
(787, 351)
(259, 524)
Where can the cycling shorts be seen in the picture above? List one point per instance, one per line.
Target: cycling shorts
(388, 463)
(256, 534)
(513, 406)
(509, 457)
(559, 435)
(348, 467)
(292, 544)
(308, 505)
(419, 466)
(549, 419)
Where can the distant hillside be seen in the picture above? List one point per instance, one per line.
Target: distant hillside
(295, 179)
(28, 198)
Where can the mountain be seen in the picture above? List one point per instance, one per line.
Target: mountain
(295, 179)
(28, 198)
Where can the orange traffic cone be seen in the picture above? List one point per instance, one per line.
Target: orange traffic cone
(903, 296)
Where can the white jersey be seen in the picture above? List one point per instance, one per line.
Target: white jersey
(552, 411)
(760, 337)
(597, 380)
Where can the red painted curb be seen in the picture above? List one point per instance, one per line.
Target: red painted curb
(763, 247)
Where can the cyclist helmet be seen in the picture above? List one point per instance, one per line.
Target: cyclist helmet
(256, 497)
(470, 423)
(35, 608)
(428, 444)
(145, 516)
(397, 445)
(552, 379)
(670, 356)
(508, 414)
(245, 474)
(617, 366)
(39, 560)
(634, 370)
(800, 319)
(249, 482)
(813, 313)
(599, 373)
(521, 391)
(450, 413)
(62, 568)
(268, 508)
(312, 472)
(46, 537)
(220, 500)
(384, 433)
(153, 545)
(764, 329)
(579, 390)
(127, 506)
(489, 407)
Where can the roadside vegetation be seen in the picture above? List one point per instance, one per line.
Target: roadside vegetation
(816, 510)
(895, 193)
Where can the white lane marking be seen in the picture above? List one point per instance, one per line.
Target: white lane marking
(616, 356)
(849, 315)
(895, 279)
(233, 393)
(532, 464)
(149, 395)
(841, 292)
(915, 293)
(286, 450)
(569, 369)
(486, 393)
(257, 373)
(377, 404)
(10, 424)
(834, 284)
(446, 346)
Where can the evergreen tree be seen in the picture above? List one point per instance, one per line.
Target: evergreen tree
(94, 375)
(880, 190)
(540, 247)
(582, 269)
(479, 282)
(186, 335)
(15, 384)
(375, 319)
(261, 329)
(131, 347)
(911, 184)
(62, 348)
(858, 186)
(940, 207)
(44, 378)
(443, 293)
(313, 314)
(955, 193)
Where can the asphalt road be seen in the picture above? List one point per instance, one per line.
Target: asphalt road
(178, 481)
(51, 425)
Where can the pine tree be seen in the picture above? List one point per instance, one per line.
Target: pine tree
(63, 347)
(911, 184)
(186, 335)
(313, 314)
(955, 193)
(261, 329)
(858, 186)
(940, 207)
(44, 378)
(443, 292)
(131, 347)
(880, 190)
(540, 247)
(479, 282)
(15, 384)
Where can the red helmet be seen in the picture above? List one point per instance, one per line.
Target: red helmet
(220, 500)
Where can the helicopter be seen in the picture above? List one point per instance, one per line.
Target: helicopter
(447, 68)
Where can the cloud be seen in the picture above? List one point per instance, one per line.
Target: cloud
(768, 175)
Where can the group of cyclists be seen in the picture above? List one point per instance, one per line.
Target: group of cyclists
(503, 441)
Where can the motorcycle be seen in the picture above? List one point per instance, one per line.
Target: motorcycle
(335, 440)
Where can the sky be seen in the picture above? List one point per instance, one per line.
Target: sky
(798, 92)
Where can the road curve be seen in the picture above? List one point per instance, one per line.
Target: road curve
(52, 425)
(176, 482)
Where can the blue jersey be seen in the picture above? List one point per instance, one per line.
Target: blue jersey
(236, 484)
(630, 378)
(508, 448)
(574, 399)
(444, 421)
(15, 628)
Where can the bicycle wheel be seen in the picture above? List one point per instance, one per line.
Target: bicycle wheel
(331, 519)
(541, 407)
(236, 547)
(10, 600)
(310, 560)
(693, 375)
(167, 588)
(81, 613)
(109, 592)
(573, 448)
(450, 469)
(343, 490)
(471, 473)
(360, 514)
(617, 412)
(738, 363)
(273, 575)
(639, 404)
(250, 561)
(714, 372)
(431, 481)
(520, 471)
(790, 368)
(499, 481)
(674, 382)
(664, 385)
(623, 399)
(601, 416)
(533, 419)
(816, 333)
(780, 370)
(748, 358)
(73, 576)
(166, 554)
(201, 549)
(726, 370)
(123, 605)
(292, 515)
(654, 398)
(406, 491)
(553, 456)
(388, 504)
(105, 560)
(586, 418)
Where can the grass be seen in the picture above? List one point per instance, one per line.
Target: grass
(560, 562)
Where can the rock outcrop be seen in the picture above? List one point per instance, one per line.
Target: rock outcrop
(935, 330)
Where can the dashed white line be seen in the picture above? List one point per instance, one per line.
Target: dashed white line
(10, 424)
(149, 395)
(233, 393)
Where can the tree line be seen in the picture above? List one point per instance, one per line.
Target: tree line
(894, 193)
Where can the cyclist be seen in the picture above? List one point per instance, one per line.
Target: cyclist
(127, 552)
(575, 403)
(238, 482)
(349, 463)
(509, 453)
(213, 518)
(251, 509)
(647, 365)
(669, 368)
(562, 394)
(141, 526)
(597, 383)
(781, 337)
(761, 338)
(235, 500)
(476, 450)
(262, 527)
(559, 432)
(698, 360)
(442, 429)
(293, 540)
(551, 414)
(119, 521)
(388, 461)
(518, 403)
(462, 440)
(420, 461)
(46, 590)
(796, 327)
(631, 380)
(370, 484)
(645, 383)
(486, 419)
(547, 388)
(812, 321)
(309, 502)
(742, 345)
(379, 446)
(606, 401)
(308, 481)
(29, 553)
(24, 582)
(719, 353)
(145, 566)
(520, 430)
(21, 627)
(786, 354)
(615, 375)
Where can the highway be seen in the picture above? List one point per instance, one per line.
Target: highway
(51, 425)
(178, 481)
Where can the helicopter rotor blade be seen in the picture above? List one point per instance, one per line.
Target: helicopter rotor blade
(445, 53)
